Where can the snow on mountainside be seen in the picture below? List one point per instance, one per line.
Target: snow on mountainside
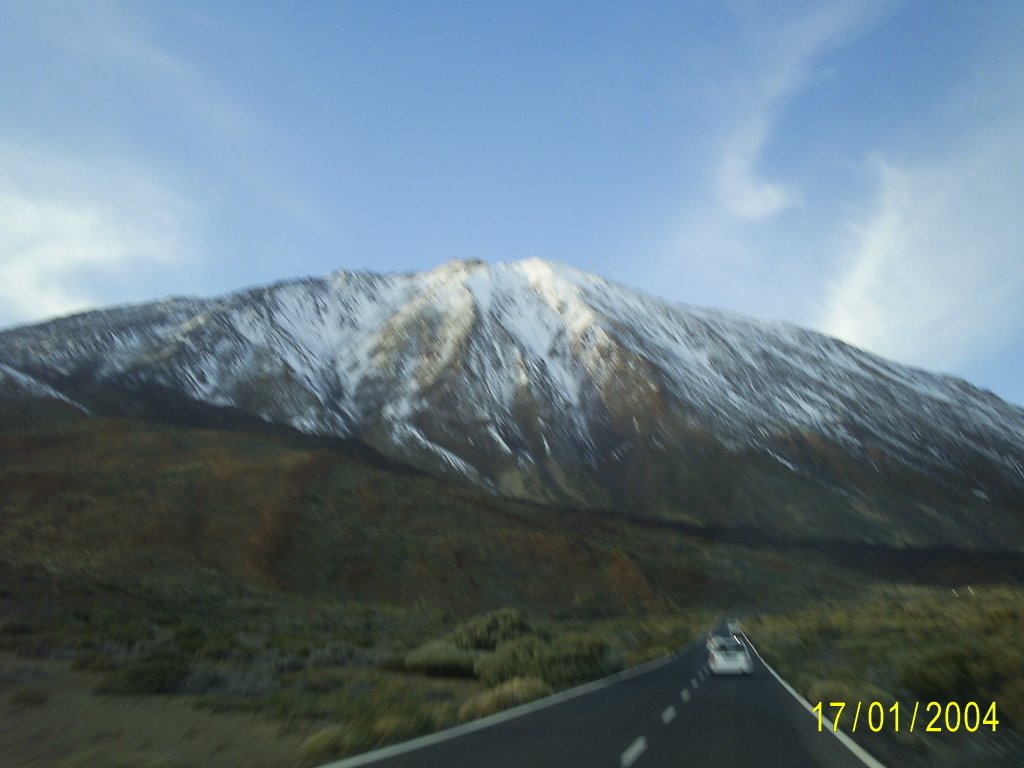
(15, 384)
(540, 381)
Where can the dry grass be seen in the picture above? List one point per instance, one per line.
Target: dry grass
(443, 659)
(511, 693)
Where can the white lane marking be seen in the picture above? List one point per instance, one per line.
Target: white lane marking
(850, 744)
(693, 682)
(685, 695)
(635, 750)
(668, 715)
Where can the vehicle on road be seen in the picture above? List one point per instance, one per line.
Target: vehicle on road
(730, 657)
(714, 640)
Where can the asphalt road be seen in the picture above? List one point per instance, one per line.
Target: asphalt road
(675, 714)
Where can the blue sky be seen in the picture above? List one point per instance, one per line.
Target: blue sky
(853, 166)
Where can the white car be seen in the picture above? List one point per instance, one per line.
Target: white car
(715, 640)
(730, 657)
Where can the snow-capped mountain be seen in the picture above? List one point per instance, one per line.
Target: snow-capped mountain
(543, 382)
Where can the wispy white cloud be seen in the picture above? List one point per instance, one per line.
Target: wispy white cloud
(730, 241)
(93, 208)
(933, 269)
(74, 233)
(126, 37)
(123, 42)
(739, 189)
(786, 50)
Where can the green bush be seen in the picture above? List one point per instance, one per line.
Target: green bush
(485, 632)
(152, 676)
(442, 659)
(509, 694)
(566, 661)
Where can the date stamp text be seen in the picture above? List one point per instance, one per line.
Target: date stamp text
(925, 717)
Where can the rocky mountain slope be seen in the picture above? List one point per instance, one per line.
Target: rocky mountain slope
(538, 381)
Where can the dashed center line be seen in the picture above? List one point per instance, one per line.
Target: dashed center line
(685, 695)
(668, 715)
(633, 752)
(694, 684)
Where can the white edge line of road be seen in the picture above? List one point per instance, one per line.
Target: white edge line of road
(508, 714)
(865, 757)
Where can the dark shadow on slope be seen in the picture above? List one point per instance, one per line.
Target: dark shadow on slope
(167, 406)
(944, 566)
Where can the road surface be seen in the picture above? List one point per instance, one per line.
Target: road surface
(675, 713)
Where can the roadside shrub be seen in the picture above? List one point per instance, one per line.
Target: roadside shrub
(15, 628)
(511, 693)
(391, 728)
(93, 662)
(442, 659)
(485, 632)
(330, 656)
(365, 638)
(829, 690)
(128, 633)
(203, 679)
(645, 654)
(149, 676)
(294, 644)
(100, 757)
(393, 663)
(1011, 701)
(221, 647)
(938, 674)
(566, 661)
(320, 680)
(963, 671)
(29, 696)
(190, 637)
(335, 741)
